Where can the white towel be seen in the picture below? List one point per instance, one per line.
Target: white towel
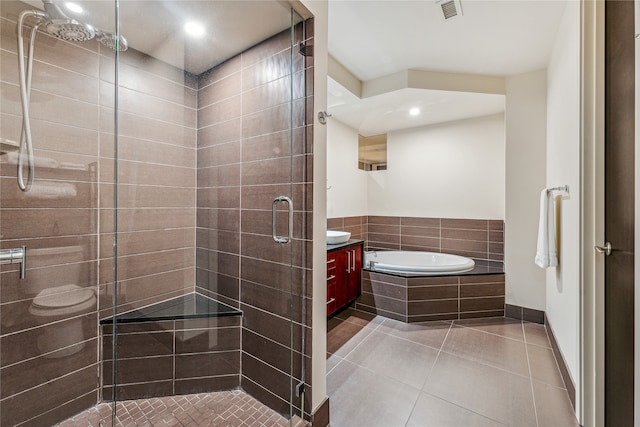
(546, 253)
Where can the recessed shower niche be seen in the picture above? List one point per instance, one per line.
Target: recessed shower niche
(142, 164)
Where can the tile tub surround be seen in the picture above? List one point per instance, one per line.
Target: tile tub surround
(475, 238)
(418, 299)
(243, 165)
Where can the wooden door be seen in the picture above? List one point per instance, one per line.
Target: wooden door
(619, 211)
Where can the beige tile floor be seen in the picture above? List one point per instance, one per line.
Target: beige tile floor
(226, 408)
(481, 372)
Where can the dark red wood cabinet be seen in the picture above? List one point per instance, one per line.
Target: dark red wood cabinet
(344, 275)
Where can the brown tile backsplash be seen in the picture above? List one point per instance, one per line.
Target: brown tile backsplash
(475, 238)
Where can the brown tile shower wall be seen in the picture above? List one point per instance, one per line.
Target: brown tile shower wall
(475, 238)
(156, 181)
(243, 164)
(48, 363)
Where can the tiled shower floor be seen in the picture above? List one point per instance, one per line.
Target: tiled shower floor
(466, 373)
(226, 408)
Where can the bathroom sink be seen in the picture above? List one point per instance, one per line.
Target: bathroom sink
(336, 237)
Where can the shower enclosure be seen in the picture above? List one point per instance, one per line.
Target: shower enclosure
(155, 204)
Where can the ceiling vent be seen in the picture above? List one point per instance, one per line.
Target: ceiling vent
(449, 9)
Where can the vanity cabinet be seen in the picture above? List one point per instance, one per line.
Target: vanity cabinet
(344, 275)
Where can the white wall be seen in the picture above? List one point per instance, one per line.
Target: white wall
(453, 170)
(320, 11)
(348, 193)
(448, 170)
(525, 124)
(563, 167)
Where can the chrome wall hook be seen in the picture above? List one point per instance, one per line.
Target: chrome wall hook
(322, 117)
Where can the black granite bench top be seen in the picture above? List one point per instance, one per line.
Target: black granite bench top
(190, 306)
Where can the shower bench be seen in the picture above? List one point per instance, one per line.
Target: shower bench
(188, 344)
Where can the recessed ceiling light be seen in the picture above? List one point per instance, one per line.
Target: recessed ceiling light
(414, 111)
(194, 29)
(74, 7)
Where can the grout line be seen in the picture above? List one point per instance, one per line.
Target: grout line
(533, 395)
(466, 409)
(440, 350)
(337, 364)
(491, 333)
(371, 331)
(421, 390)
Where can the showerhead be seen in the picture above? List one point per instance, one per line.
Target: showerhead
(109, 40)
(70, 30)
(61, 26)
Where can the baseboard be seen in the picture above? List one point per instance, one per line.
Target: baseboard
(524, 313)
(564, 372)
(538, 316)
(320, 417)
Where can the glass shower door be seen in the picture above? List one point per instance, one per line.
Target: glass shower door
(51, 143)
(276, 221)
(211, 104)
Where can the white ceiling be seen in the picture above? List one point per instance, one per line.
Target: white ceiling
(373, 38)
(155, 27)
(390, 111)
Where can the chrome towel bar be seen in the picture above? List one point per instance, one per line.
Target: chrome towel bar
(563, 188)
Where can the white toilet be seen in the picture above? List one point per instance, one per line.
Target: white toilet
(59, 297)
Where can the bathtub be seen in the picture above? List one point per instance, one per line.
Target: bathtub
(417, 263)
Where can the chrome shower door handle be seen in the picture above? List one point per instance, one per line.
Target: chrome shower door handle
(283, 240)
(606, 249)
(15, 256)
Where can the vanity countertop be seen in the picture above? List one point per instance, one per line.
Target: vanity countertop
(351, 242)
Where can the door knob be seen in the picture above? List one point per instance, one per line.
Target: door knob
(606, 249)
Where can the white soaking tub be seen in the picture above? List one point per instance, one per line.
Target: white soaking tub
(417, 263)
